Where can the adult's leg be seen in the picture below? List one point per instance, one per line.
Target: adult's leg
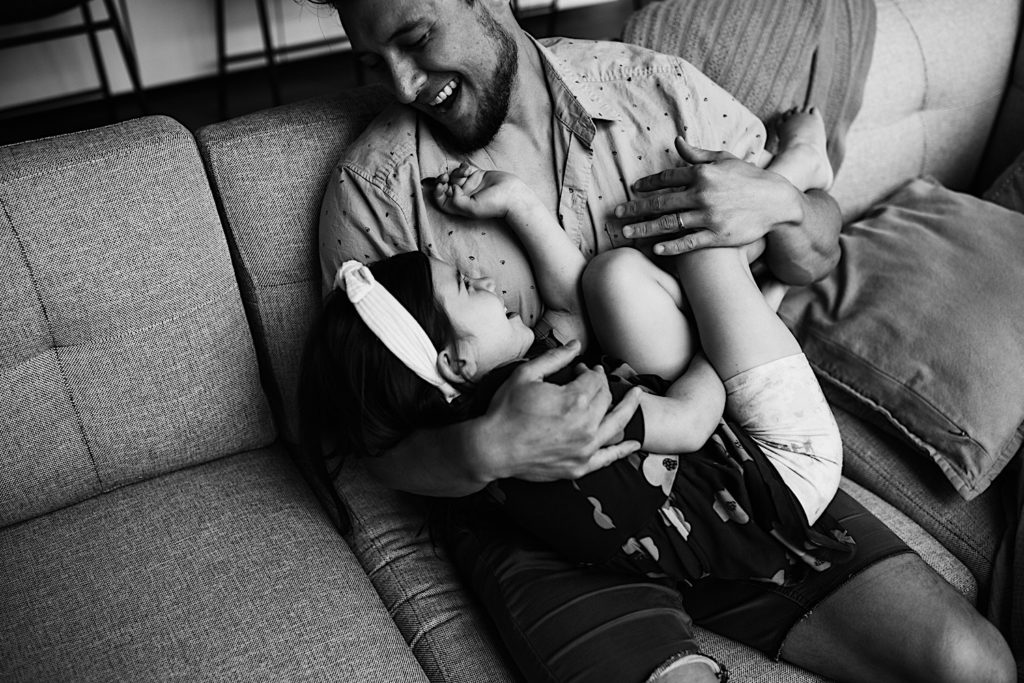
(899, 621)
(561, 622)
(883, 615)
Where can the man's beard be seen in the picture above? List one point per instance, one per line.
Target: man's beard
(495, 96)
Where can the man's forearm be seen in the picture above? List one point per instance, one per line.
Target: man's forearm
(805, 251)
(436, 462)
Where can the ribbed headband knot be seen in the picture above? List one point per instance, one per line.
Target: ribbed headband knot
(392, 323)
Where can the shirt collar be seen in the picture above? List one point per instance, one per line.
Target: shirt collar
(576, 100)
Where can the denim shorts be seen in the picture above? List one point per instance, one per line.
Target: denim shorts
(561, 622)
(761, 615)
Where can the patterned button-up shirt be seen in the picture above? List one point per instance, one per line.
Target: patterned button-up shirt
(616, 110)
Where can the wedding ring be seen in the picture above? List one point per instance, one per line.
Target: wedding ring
(679, 222)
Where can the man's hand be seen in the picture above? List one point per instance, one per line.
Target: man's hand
(540, 431)
(714, 199)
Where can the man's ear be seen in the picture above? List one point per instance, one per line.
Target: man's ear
(456, 362)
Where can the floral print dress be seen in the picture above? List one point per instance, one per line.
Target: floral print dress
(722, 511)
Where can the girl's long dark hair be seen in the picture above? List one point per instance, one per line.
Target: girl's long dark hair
(355, 396)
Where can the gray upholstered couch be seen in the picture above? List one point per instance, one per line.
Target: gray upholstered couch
(156, 289)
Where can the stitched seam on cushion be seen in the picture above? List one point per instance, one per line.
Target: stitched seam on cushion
(942, 463)
(272, 285)
(924, 94)
(136, 331)
(53, 342)
(857, 391)
(428, 629)
(115, 154)
(388, 566)
(922, 113)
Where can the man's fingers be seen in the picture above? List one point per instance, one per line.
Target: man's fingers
(667, 224)
(609, 435)
(701, 239)
(696, 155)
(548, 362)
(609, 454)
(679, 176)
(590, 389)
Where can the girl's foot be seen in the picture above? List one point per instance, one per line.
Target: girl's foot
(803, 153)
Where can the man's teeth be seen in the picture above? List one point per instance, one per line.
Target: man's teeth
(445, 93)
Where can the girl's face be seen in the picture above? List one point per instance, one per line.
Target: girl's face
(487, 335)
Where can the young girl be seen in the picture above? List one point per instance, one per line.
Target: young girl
(411, 342)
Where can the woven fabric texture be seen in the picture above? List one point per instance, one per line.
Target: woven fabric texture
(269, 170)
(227, 571)
(453, 639)
(125, 347)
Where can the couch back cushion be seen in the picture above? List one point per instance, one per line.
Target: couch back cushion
(937, 77)
(269, 170)
(124, 347)
(1007, 141)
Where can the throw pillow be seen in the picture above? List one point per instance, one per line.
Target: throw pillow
(921, 327)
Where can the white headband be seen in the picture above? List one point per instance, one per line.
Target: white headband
(392, 323)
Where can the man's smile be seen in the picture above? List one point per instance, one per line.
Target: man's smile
(446, 93)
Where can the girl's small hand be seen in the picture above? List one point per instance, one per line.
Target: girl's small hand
(469, 191)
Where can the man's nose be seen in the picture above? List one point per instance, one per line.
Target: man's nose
(406, 78)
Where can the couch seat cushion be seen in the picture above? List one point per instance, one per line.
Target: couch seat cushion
(225, 571)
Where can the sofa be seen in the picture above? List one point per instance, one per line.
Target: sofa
(157, 287)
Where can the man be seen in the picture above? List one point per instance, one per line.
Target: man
(580, 122)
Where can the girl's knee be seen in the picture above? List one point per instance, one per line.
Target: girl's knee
(613, 268)
(625, 275)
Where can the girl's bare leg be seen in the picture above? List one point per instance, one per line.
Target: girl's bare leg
(739, 329)
(898, 620)
(802, 158)
(637, 312)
